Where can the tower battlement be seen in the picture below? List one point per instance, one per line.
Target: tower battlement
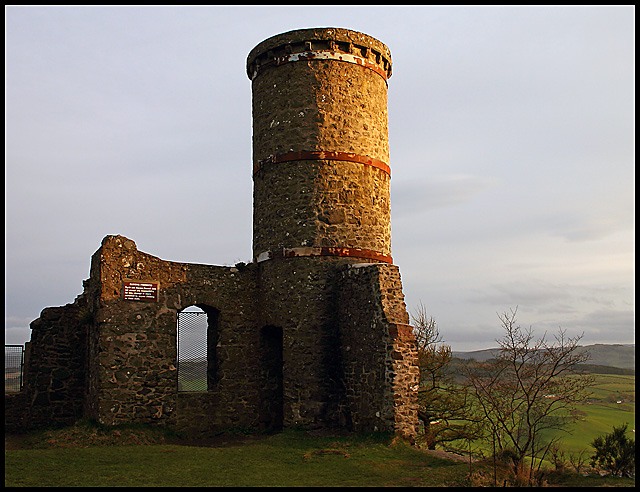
(317, 43)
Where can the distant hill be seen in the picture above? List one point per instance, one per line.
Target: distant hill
(623, 356)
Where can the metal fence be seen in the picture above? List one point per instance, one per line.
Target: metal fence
(13, 365)
(192, 351)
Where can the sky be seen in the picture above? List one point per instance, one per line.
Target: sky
(511, 134)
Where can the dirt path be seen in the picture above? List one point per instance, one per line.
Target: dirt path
(449, 456)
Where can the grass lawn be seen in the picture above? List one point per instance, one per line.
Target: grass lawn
(603, 412)
(599, 419)
(287, 459)
(75, 457)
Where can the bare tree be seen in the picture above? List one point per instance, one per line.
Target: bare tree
(532, 385)
(578, 460)
(444, 409)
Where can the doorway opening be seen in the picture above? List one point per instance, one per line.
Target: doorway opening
(272, 392)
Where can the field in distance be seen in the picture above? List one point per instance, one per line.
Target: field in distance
(612, 404)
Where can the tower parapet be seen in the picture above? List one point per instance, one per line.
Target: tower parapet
(323, 42)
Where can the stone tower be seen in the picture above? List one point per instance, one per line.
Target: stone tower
(313, 332)
(321, 194)
(320, 145)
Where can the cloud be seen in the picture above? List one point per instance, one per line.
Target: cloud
(412, 198)
(597, 224)
(463, 337)
(545, 298)
(606, 326)
(599, 326)
(16, 330)
(521, 292)
(511, 150)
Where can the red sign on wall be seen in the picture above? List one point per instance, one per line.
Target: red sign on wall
(139, 290)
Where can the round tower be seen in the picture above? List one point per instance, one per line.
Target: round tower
(321, 197)
(320, 145)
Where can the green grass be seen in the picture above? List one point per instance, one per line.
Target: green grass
(614, 386)
(598, 415)
(599, 419)
(602, 412)
(287, 459)
(90, 455)
(292, 458)
(195, 385)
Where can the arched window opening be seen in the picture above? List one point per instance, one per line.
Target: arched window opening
(197, 341)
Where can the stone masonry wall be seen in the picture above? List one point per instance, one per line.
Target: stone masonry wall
(55, 370)
(321, 204)
(298, 296)
(378, 350)
(321, 197)
(321, 106)
(17, 412)
(315, 105)
(347, 357)
(133, 348)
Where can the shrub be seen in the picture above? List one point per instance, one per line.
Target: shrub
(615, 452)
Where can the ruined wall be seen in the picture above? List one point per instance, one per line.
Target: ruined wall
(378, 350)
(297, 295)
(55, 375)
(133, 346)
(346, 360)
(17, 412)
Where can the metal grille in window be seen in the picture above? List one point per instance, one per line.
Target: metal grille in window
(13, 364)
(192, 351)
